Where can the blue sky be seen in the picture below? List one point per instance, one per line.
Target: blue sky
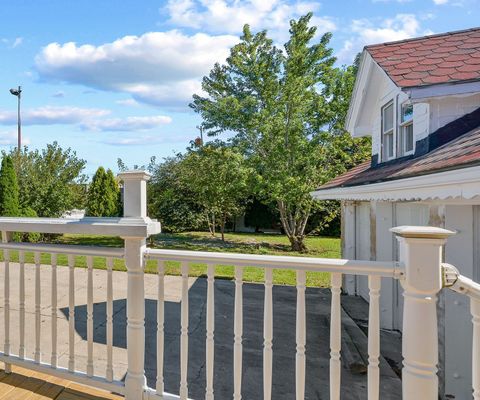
(114, 78)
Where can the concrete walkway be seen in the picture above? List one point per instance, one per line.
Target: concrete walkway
(354, 341)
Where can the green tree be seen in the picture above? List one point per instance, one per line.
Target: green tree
(9, 203)
(103, 195)
(113, 206)
(218, 178)
(170, 200)
(48, 179)
(286, 109)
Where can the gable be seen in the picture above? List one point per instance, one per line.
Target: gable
(371, 87)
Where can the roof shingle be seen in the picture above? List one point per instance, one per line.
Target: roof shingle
(445, 58)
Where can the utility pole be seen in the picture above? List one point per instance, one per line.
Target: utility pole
(18, 93)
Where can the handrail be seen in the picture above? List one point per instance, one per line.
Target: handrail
(97, 251)
(461, 284)
(390, 269)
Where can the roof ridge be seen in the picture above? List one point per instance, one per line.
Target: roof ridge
(450, 33)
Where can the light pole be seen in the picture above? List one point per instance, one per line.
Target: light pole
(18, 93)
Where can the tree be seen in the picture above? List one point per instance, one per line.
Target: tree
(286, 109)
(103, 195)
(218, 178)
(9, 203)
(170, 200)
(48, 179)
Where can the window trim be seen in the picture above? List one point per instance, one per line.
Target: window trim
(401, 126)
(384, 151)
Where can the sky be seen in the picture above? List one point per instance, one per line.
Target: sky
(113, 79)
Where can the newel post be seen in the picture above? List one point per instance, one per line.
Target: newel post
(421, 254)
(135, 208)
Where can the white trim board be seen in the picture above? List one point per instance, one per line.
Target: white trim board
(460, 183)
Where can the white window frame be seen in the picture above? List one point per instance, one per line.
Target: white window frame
(401, 129)
(384, 152)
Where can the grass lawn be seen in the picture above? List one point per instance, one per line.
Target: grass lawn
(272, 244)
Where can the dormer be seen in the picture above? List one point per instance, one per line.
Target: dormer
(407, 90)
(419, 100)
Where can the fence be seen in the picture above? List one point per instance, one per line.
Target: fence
(419, 270)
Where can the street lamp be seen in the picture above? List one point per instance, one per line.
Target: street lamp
(18, 93)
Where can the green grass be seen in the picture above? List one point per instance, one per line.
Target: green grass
(200, 241)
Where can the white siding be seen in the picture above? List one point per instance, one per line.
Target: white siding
(458, 332)
(406, 214)
(448, 109)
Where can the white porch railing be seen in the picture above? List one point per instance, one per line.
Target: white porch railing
(419, 271)
(463, 285)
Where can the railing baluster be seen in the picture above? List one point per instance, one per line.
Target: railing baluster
(54, 310)
(109, 370)
(335, 337)
(6, 288)
(475, 310)
(160, 326)
(267, 335)
(184, 335)
(238, 333)
(37, 353)
(89, 316)
(300, 337)
(374, 283)
(21, 259)
(71, 313)
(210, 341)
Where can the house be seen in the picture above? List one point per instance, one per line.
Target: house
(419, 100)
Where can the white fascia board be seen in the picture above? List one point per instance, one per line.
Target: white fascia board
(358, 89)
(461, 183)
(420, 94)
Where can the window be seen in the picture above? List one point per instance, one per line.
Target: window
(406, 129)
(388, 132)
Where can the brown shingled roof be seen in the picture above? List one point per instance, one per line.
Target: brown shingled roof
(450, 57)
(459, 153)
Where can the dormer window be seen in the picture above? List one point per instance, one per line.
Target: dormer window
(397, 130)
(388, 132)
(406, 129)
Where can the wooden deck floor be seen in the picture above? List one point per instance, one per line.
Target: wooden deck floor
(24, 384)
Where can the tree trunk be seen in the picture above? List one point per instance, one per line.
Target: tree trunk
(294, 227)
(298, 244)
(211, 224)
(222, 227)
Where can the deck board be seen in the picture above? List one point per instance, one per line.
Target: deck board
(23, 384)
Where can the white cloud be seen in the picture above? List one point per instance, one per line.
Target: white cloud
(230, 15)
(440, 2)
(17, 42)
(51, 115)
(126, 124)
(133, 141)
(158, 67)
(366, 32)
(128, 102)
(10, 138)
(12, 43)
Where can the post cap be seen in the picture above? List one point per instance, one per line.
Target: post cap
(421, 232)
(135, 175)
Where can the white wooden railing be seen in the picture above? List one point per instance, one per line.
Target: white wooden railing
(463, 285)
(41, 362)
(375, 271)
(419, 271)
